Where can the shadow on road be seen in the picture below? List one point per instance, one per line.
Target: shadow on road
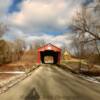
(33, 95)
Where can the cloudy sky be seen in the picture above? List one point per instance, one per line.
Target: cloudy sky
(33, 20)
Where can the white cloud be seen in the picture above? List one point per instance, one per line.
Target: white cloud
(4, 4)
(14, 33)
(38, 17)
(43, 16)
(59, 40)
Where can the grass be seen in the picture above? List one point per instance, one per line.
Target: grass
(83, 67)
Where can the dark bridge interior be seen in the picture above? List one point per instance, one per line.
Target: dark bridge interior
(49, 53)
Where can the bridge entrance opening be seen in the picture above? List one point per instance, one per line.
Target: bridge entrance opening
(49, 56)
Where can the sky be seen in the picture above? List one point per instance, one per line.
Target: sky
(34, 20)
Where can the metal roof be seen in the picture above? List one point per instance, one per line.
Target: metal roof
(49, 47)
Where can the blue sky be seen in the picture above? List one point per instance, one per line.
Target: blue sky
(14, 6)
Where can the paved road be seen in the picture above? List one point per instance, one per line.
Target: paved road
(49, 82)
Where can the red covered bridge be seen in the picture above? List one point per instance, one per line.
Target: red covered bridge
(49, 50)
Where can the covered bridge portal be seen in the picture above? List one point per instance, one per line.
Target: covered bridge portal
(50, 51)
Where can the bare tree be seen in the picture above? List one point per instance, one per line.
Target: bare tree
(3, 29)
(85, 23)
(20, 46)
(87, 39)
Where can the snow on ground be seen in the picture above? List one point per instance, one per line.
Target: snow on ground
(12, 72)
(92, 79)
(7, 77)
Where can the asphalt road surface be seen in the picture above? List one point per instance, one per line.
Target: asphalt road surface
(50, 82)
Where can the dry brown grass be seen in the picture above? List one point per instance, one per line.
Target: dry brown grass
(94, 59)
(87, 68)
(26, 62)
